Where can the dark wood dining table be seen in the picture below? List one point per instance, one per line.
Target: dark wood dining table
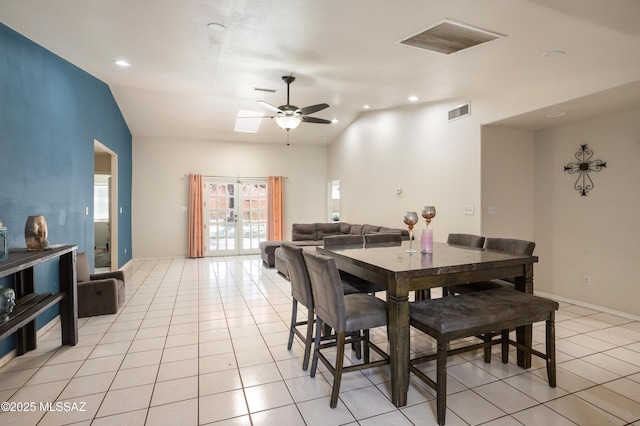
(399, 272)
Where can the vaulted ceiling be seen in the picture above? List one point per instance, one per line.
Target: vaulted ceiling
(187, 80)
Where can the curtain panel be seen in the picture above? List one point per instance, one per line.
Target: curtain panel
(275, 214)
(195, 239)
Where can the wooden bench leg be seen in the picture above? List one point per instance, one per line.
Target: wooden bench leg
(551, 349)
(441, 380)
(505, 346)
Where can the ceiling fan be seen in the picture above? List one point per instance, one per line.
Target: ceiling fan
(290, 116)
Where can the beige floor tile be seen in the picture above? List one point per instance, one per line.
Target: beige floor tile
(260, 374)
(176, 413)
(582, 412)
(541, 415)
(53, 373)
(612, 402)
(365, 402)
(123, 400)
(267, 396)
(626, 387)
(175, 391)
(131, 418)
(281, 416)
(87, 385)
(100, 365)
(135, 377)
(505, 397)
(222, 406)
(316, 412)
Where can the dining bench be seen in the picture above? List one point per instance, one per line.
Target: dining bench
(489, 315)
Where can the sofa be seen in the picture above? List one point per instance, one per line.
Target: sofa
(312, 235)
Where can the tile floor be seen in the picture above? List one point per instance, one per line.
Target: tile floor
(204, 342)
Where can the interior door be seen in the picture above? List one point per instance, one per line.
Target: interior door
(235, 216)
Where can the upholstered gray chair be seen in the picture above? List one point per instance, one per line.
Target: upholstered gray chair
(302, 294)
(468, 240)
(347, 315)
(348, 279)
(98, 294)
(504, 245)
(383, 237)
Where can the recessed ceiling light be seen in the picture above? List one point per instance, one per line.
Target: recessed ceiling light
(335, 120)
(552, 53)
(122, 63)
(413, 98)
(556, 114)
(216, 27)
(366, 106)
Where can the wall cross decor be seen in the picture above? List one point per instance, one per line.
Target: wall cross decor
(584, 166)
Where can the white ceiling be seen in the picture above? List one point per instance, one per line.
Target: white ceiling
(189, 82)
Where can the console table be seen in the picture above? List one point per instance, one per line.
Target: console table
(30, 304)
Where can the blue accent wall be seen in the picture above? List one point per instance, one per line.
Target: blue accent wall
(50, 113)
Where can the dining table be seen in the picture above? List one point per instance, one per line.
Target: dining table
(392, 267)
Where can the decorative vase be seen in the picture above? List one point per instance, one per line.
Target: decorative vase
(35, 233)
(426, 241)
(7, 302)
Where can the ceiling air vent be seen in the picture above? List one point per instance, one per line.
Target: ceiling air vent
(449, 36)
(459, 112)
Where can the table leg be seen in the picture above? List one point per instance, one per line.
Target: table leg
(524, 334)
(69, 305)
(399, 348)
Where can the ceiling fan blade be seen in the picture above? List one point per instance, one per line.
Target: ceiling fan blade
(315, 120)
(267, 105)
(313, 108)
(259, 116)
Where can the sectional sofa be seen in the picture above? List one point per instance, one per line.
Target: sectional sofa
(312, 234)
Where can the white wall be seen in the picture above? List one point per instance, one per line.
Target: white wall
(596, 235)
(414, 148)
(160, 189)
(507, 183)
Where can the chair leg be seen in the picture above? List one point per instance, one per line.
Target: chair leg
(505, 346)
(308, 340)
(487, 350)
(551, 350)
(441, 381)
(316, 347)
(337, 374)
(292, 326)
(365, 344)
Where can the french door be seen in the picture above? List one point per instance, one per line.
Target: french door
(235, 216)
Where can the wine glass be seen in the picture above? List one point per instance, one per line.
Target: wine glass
(410, 219)
(428, 212)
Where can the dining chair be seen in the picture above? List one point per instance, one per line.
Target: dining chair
(469, 240)
(302, 294)
(350, 316)
(503, 245)
(361, 285)
(383, 237)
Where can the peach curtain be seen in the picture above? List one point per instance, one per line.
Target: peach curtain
(275, 222)
(195, 242)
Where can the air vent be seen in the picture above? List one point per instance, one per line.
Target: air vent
(449, 37)
(459, 112)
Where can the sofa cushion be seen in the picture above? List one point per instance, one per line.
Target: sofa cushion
(357, 230)
(327, 229)
(386, 230)
(82, 268)
(345, 228)
(371, 229)
(303, 232)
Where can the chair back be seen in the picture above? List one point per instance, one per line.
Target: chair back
(328, 295)
(469, 240)
(83, 271)
(510, 245)
(298, 274)
(342, 240)
(383, 237)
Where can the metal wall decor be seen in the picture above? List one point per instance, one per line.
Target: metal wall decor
(584, 166)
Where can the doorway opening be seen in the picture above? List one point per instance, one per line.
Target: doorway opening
(105, 208)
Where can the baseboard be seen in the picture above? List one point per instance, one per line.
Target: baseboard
(588, 305)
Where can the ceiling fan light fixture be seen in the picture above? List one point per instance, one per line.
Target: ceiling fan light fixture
(288, 122)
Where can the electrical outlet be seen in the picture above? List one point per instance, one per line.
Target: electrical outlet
(468, 210)
(491, 210)
(586, 280)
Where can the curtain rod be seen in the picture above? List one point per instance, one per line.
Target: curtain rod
(234, 177)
